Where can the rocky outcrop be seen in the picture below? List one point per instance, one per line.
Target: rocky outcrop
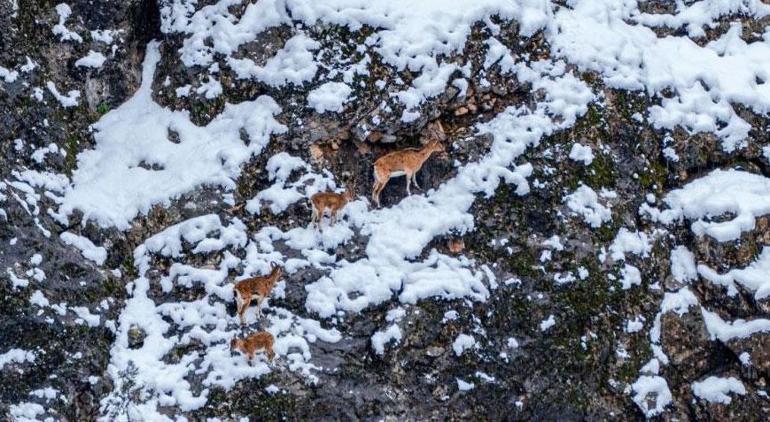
(567, 318)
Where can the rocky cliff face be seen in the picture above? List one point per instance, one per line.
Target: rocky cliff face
(590, 245)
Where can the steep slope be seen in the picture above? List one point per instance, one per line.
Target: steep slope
(590, 245)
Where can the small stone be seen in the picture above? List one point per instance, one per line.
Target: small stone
(374, 136)
(455, 245)
(316, 154)
(435, 351)
(173, 136)
(135, 337)
(460, 111)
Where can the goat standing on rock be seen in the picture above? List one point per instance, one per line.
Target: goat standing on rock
(257, 342)
(331, 201)
(406, 162)
(258, 287)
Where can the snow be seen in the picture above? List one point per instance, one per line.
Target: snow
(110, 184)
(409, 35)
(462, 343)
(388, 267)
(47, 393)
(725, 331)
(293, 64)
(69, 100)
(450, 315)
(16, 281)
(64, 12)
(134, 167)
(36, 259)
(585, 202)
(696, 15)
(637, 243)
(755, 277)
(331, 96)
(635, 325)
(400, 232)
(16, 356)
(210, 89)
(600, 35)
(282, 193)
(581, 153)
(29, 66)
(679, 302)
(715, 389)
(695, 110)
(85, 315)
(39, 299)
(205, 320)
(26, 412)
(743, 194)
(40, 153)
(485, 377)
(93, 60)
(683, 267)
(106, 36)
(670, 154)
(651, 394)
(630, 276)
(90, 251)
(7, 75)
(745, 358)
(547, 323)
(464, 386)
(381, 338)
(651, 368)
(554, 242)
(410, 32)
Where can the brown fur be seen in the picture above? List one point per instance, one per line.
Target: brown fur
(409, 161)
(256, 342)
(258, 287)
(331, 201)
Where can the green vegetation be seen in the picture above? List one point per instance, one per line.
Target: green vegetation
(70, 162)
(103, 108)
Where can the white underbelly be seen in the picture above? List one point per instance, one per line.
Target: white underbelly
(397, 173)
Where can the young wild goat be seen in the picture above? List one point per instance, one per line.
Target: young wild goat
(406, 162)
(331, 201)
(258, 287)
(257, 342)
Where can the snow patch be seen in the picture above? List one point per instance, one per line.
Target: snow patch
(331, 96)
(716, 390)
(95, 253)
(93, 59)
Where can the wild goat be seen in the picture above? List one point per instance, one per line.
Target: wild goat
(331, 201)
(258, 342)
(406, 162)
(258, 287)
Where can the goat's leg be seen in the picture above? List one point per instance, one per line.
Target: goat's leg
(244, 308)
(313, 216)
(259, 305)
(414, 180)
(238, 303)
(376, 192)
(408, 183)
